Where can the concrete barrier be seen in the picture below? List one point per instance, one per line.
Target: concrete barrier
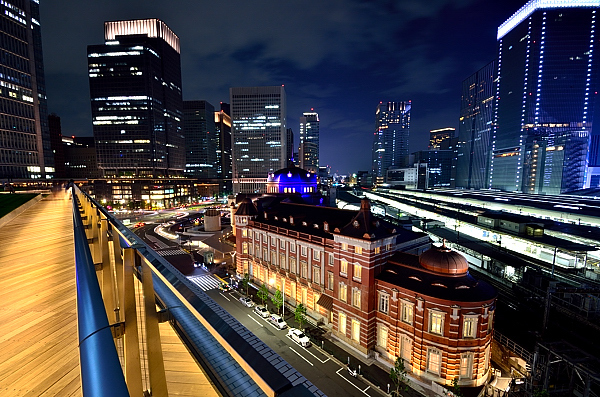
(19, 210)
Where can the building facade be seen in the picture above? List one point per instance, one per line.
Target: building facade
(441, 138)
(390, 142)
(546, 102)
(359, 275)
(201, 140)
(25, 148)
(308, 150)
(475, 127)
(258, 116)
(137, 108)
(224, 160)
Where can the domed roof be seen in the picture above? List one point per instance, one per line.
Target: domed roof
(292, 174)
(444, 260)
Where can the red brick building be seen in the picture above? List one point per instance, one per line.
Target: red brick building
(350, 270)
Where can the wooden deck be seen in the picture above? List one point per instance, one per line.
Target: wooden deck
(38, 324)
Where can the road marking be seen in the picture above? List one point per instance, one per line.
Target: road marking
(364, 391)
(322, 362)
(301, 356)
(253, 319)
(358, 388)
(220, 293)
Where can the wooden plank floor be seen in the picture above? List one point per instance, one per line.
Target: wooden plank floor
(38, 324)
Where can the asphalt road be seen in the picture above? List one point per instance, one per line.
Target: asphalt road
(317, 366)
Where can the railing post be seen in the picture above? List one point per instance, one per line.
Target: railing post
(133, 369)
(156, 367)
(108, 282)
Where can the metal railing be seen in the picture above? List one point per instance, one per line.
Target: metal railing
(101, 372)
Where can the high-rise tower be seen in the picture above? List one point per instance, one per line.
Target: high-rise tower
(308, 149)
(546, 97)
(258, 135)
(390, 143)
(25, 150)
(223, 124)
(475, 128)
(137, 109)
(201, 140)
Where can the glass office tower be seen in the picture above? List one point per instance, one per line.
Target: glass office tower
(308, 150)
(475, 128)
(258, 115)
(25, 149)
(546, 89)
(137, 108)
(201, 140)
(390, 143)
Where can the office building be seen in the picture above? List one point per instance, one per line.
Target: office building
(439, 167)
(201, 140)
(441, 138)
(80, 158)
(25, 148)
(546, 97)
(390, 142)
(56, 144)
(308, 150)
(137, 109)
(223, 125)
(258, 116)
(290, 156)
(477, 107)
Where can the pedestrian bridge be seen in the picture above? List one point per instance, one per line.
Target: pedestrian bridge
(57, 257)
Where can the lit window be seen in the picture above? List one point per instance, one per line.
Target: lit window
(466, 365)
(406, 348)
(303, 250)
(244, 248)
(304, 269)
(384, 302)
(357, 272)
(344, 247)
(356, 297)
(470, 327)
(407, 312)
(343, 292)
(342, 323)
(316, 275)
(330, 280)
(490, 322)
(316, 255)
(330, 259)
(382, 336)
(292, 265)
(356, 331)
(292, 247)
(343, 267)
(377, 250)
(436, 322)
(282, 263)
(358, 250)
(434, 359)
(244, 232)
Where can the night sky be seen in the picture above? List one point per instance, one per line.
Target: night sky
(340, 57)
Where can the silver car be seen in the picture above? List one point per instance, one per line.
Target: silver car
(246, 301)
(262, 311)
(298, 336)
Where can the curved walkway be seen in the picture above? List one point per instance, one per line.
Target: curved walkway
(38, 323)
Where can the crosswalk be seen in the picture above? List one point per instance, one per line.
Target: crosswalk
(172, 252)
(205, 282)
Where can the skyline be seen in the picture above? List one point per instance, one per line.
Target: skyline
(341, 59)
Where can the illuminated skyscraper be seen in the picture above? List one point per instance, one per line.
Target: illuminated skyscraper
(223, 124)
(25, 150)
(258, 115)
(201, 140)
(390, 143)
(441, 138)
(309, 142)
(137, 109)
(546, 97)
(475, 128)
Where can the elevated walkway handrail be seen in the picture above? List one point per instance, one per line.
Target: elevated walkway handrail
(101, 372)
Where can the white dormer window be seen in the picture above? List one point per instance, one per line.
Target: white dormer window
(355, 224)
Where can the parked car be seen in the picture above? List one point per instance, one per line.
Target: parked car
(278, 321)
(298, 336)
(246, 301)
(262, 311)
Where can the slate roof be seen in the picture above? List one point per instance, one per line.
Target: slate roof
(403, 270)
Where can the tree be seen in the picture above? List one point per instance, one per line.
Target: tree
(263, 293)
(299, 314)
(245, 282)
(277, 299)
(455, 390)
(540, 393)
(399, 377)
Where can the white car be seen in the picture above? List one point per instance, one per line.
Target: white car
(298, 336)
(262, 311)
(277, 321)
(246, 301)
